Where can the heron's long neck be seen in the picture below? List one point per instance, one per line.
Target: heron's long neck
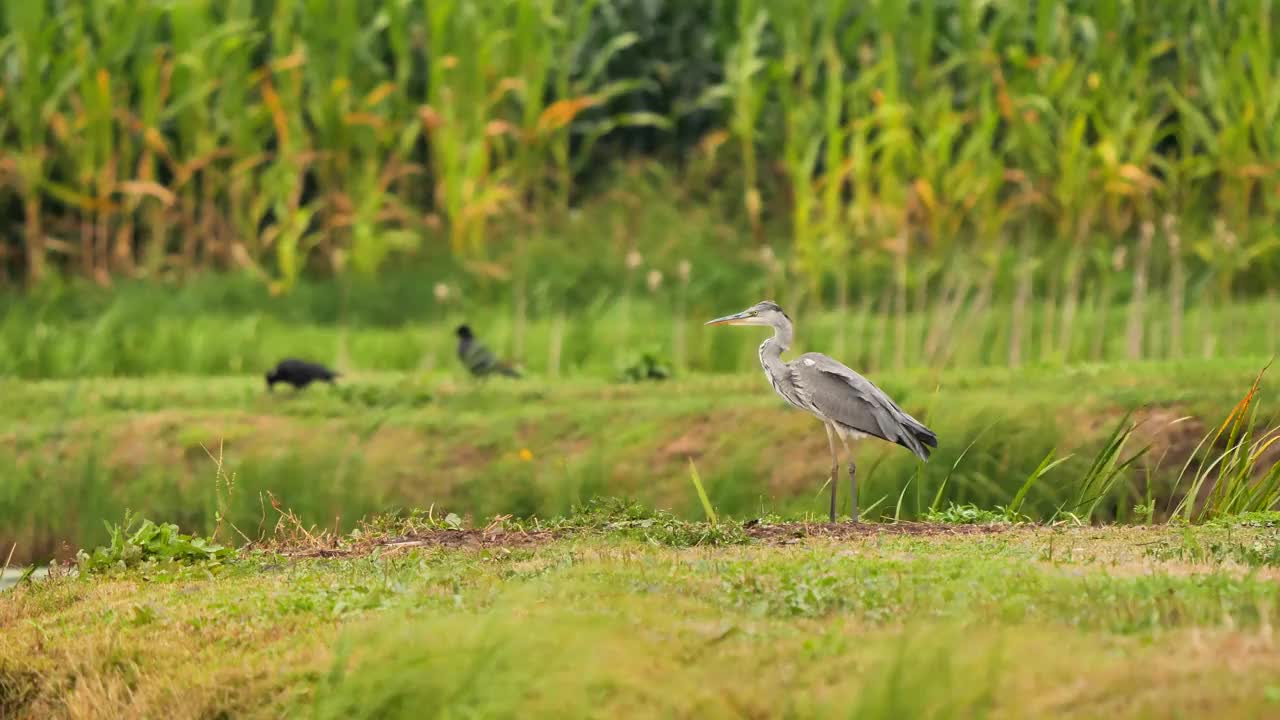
(771, 350)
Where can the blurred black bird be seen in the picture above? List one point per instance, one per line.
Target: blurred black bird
(298, 373)
(478, 359)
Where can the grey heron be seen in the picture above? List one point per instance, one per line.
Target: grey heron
(849, 405)
(480, 360)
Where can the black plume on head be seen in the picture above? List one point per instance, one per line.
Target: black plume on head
(464, 332)
(771, 305)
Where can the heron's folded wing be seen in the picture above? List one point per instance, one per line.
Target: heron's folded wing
(835, 391)
(847, 397)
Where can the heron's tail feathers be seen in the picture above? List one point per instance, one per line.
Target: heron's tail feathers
(918, 439)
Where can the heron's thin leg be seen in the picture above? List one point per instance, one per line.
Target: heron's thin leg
(853, 482)
(835, 468)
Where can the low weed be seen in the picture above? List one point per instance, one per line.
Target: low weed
(627, 518)
(649, 366)
(149, 542)
(970, 514)
(407, 522)
(1254, 519)
(1257, 552)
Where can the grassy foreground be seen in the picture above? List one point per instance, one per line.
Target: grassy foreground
(640, 615)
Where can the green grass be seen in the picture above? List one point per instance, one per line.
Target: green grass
(1028, 622)
(190, 449)
(230, 325)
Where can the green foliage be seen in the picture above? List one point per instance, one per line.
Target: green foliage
(149, 543)
(1104, 475)
(921, 146)
(228, 326)
(1238, 482)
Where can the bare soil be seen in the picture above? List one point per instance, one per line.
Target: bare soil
(490, 539)
(787, 533)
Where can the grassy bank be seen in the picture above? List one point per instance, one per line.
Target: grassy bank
(187, 449)
(889, 622)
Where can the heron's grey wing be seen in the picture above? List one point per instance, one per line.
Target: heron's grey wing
(846, 397)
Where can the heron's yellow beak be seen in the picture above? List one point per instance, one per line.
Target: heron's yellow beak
(737, 319)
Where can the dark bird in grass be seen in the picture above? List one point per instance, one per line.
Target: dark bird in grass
(478, 359)
(299, 373)
(849, 405)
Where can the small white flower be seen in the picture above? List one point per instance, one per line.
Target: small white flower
(1118, 257)
(684, 269)
(653, 280)
(441, 292)
(634, 260)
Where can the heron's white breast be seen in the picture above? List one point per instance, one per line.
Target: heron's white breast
(848, 434)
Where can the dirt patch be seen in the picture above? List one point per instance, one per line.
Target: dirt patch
(803, 462)
(693, 442)
(469, 457)
(451, 539)
(789, 533)
(702, 432)
(797, 465)
(135, 442)
(779, 534)
(1172, 434)
(172, 437)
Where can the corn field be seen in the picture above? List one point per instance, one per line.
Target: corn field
(1030, 146)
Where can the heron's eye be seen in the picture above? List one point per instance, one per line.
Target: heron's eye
(754, 313)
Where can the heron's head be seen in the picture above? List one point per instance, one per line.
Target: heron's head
(463, 332)
(766, 313)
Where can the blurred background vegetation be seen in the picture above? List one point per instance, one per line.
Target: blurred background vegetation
(936, 190)
(1051, 180)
